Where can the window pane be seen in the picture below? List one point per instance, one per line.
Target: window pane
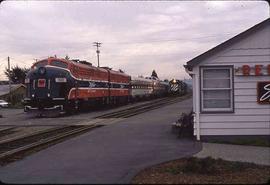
(216, 103)
(217, 98)
(59, 64)
(216, 73)
(216, 83)
(41, 63)
(216, 94)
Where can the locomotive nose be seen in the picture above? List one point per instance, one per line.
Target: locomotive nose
(42, 71)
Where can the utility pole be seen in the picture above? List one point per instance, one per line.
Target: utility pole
(9, 79)
(97, 44)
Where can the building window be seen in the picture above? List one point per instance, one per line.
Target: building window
(216, 89)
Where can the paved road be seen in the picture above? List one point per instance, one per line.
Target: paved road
(110, 154)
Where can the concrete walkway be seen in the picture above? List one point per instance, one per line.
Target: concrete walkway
(253, 154)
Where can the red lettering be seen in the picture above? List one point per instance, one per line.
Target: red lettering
(246, 70)
(258, 69)
(268, 69)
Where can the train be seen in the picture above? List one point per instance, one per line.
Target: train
(61, 85)
(177, 87)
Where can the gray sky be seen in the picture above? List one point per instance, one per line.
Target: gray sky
(136, 37)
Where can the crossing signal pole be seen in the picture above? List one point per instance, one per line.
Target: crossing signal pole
(97, 44)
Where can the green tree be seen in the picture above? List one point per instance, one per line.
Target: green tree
(154, 74)
(17, 74)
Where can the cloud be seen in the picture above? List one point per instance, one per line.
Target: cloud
(136, 36)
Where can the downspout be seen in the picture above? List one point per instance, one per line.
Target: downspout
(196, 93)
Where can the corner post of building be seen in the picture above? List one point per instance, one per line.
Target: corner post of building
(197, 105)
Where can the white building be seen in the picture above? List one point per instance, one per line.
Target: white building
(231, 86)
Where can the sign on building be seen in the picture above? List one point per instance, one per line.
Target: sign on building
(263, 92)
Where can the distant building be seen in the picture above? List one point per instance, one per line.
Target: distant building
(231, 87)
(18, 93)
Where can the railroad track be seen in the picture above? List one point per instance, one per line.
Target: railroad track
(142, 108)
(17, 147)
(5, 130)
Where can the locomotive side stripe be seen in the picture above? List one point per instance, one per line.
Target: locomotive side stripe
(89, 91)
(86, 80)
(125, 92)
(79, 79)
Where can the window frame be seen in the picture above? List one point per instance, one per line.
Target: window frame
(217, 110)
(45, 62)
(61, 62)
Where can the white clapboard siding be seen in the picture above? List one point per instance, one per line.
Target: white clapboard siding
(245, 98)
(233, 118)
(255, 79)
(245, 91)
(251, 105)
(247, 51)
(236, 125)
(245, 85)
(257, 111)
(234, 59)
(239, 63)
(246, 131)
(249, 117)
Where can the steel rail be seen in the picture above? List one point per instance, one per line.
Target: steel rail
(140, 108)
(151, 107)
(23, 136)
(46, 141)
(132, 108)
(2, 131)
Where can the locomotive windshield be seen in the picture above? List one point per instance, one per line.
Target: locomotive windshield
(59, 64)
(41, 63)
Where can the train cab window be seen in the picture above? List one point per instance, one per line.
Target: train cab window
(59, 64)
(41, 63)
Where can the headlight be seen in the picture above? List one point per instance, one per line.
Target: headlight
(42, 70)
(27, 81)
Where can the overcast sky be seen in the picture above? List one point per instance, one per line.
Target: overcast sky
(136, 37)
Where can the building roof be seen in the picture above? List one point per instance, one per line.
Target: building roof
(4, 89)
(195, 61)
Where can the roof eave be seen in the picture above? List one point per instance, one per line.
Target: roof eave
(195, 61)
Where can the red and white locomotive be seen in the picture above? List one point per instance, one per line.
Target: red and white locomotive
(66, 85)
